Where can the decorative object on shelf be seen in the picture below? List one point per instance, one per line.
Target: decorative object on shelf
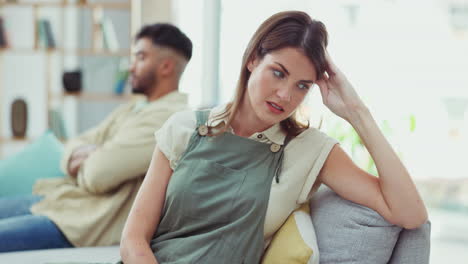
(72, 81)
(122, 76)
(57, 124)
(121, 82)
(3, 36)
(109, 35)
(19, 118)
(46, 38)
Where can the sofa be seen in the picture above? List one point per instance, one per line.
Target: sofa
(350, 233)
(346, 233)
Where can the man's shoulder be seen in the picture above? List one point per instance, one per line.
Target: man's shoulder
(172, 98)
(126, 106)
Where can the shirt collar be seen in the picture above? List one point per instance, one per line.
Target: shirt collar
(140, 104)
(213, 120)
(174, 97)
(275, 134)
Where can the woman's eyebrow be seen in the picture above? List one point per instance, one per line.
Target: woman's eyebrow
(282, 66)
(287, 72)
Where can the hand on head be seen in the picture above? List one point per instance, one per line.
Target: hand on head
(338, 94)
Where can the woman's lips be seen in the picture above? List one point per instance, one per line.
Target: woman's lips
(275, 108)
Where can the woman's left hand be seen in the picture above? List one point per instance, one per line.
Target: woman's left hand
(338, 94)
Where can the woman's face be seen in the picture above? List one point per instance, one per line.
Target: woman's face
(278, 84)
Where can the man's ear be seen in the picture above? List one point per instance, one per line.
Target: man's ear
(167, 67)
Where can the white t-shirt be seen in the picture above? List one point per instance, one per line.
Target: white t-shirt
(304, 157)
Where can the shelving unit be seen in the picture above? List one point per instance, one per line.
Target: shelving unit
(9, 140)
(98, 96)
(78, 52)
(64, 3)
(54, 98)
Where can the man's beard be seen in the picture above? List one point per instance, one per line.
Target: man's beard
(143, 84)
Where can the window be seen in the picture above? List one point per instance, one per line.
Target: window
(459, 16)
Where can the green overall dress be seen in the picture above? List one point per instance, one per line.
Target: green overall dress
(216, 200)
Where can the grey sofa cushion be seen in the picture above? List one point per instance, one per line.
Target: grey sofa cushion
(351, 233)
(63, 255)
(413, 246)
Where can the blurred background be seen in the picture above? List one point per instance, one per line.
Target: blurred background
(64, 63)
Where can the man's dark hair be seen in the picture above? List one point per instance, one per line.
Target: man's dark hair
(167, 35)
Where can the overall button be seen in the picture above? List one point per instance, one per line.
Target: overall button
(203, 130)
(275, 147)
(260, 136)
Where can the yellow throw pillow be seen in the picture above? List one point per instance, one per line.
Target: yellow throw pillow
(295, 241)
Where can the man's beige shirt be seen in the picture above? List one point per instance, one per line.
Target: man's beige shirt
(304, 157)
(92, 208)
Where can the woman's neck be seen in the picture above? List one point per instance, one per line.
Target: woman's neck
(246, 123)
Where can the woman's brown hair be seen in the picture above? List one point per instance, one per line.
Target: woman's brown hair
(285, 29)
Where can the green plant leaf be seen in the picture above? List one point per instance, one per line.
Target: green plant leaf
(412, 123)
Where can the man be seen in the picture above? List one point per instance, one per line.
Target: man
(105, 166)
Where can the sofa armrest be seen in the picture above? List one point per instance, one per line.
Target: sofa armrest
(350, 233)
(413, 246)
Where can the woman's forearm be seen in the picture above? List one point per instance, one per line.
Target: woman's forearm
(398, 189)
(143, 219)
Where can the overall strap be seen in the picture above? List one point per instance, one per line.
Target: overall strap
(287, 140)
(202, 117)
(279, 165)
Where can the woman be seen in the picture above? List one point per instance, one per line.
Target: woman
(221, 182)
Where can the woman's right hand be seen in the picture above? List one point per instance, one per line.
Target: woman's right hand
(132, 251)
(338, 94)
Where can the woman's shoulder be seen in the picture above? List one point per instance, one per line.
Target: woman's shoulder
(312, 140)
(183, 119)
(187, 119)
(313, 134)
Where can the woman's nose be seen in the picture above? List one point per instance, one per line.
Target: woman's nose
(284, 93)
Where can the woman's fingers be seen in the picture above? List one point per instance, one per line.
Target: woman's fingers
(326, 76)
(332, 69)
(322, 84)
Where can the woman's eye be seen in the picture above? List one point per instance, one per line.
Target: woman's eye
(302, 86)
(278, 74)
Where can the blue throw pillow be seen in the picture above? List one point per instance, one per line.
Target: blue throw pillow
(41, 159)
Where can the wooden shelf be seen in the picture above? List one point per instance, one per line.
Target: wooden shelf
(125, 5)
(80, 52)
(89, 52)
(27, 50)
(105, 5)
(99, 96)
(14, 140)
